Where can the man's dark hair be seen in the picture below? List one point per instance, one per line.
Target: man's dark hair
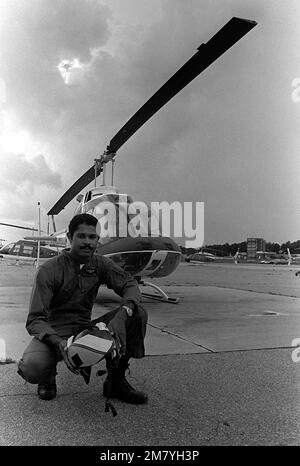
(80, 219)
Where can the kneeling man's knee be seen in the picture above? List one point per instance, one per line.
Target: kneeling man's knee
(35, 368)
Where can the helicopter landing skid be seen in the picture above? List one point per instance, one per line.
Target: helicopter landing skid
(162, 296)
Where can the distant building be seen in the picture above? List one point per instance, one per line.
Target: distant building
(255, 245)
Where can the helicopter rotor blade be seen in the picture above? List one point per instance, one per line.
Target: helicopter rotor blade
(78, 186)
(207, 53)
(18, 226)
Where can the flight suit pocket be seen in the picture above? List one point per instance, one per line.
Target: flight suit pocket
(87, 283)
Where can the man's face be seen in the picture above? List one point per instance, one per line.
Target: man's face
(84, 242)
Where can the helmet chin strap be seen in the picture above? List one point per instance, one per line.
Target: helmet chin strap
(110, 364)
(86, 374)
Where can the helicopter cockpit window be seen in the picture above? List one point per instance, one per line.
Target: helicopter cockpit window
(15, 250)
(7, 248)
(28, 250)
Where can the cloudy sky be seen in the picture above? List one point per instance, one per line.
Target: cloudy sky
(72, 72)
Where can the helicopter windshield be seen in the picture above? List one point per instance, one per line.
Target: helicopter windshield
(120, 217)
(6, 249)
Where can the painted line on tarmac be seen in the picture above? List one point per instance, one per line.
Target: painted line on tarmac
(256, 291)
(181, 338)
(244, 350)
(268, 314)
(192, 285)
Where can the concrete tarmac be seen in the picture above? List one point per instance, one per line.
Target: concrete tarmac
(218, 370)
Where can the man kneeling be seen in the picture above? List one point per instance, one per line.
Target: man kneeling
(64, 291)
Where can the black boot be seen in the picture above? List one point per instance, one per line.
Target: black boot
(121, 388)
(47, 390)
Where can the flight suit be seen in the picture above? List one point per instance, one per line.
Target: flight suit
(61, 304)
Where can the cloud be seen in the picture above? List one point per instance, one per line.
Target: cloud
(37, 39)
(23, 183)
(17, 171)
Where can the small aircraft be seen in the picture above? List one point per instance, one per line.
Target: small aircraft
(278, 258)
(147, 255)
(26, 251)
(17, 251)
(205, 256)
(201, 256)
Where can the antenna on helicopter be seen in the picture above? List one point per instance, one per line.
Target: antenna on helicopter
(39, 233)
(112, 171)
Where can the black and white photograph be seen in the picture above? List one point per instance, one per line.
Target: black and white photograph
(149, 226)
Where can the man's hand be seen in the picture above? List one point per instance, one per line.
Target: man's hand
(62, 346)
(118, 330)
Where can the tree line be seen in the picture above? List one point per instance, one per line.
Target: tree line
(227, 249)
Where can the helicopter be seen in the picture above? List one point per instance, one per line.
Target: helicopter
(149, 254)
(26, 250)
(206, 256)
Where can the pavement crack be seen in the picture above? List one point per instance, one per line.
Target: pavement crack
(14, 395)
(33, 394)
(181, 338)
